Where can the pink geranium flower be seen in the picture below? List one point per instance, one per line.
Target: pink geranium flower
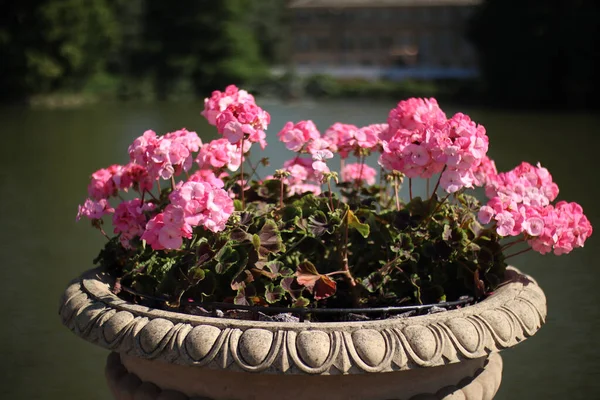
(299, 135)
(92, 209)
(414, 114)
(219, 101)
(102, 185)
(358, 173)
(218, 154)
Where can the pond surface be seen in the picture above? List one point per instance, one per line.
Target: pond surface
(46, 157)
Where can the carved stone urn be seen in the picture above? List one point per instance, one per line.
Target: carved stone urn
(162, 355)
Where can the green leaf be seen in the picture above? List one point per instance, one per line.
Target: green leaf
(277, 269)
(197, 273)
(237, 205)
(240, 299)
(354, 222)
(240, 235)
(256, 242)
(320, 286)
(374, 281)
(317, 223)
(291, 286)
(269, 239)
(226, 257)
(301, 302)
(273, 293)
(291, 213)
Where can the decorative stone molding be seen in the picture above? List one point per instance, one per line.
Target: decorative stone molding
(512, 314)
(125, 384)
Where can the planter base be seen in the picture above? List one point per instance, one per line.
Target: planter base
(134, 378)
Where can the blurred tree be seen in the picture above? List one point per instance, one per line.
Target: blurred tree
(204, 43)
(539, 52)
(46, 45)
(268, 19)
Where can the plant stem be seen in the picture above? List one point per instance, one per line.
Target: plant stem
(440, 204)
(342, 163)
(506, 246)
(410, 188)
(242, 174)
(102, 232)
(172, 182)
(360, 172)
(346, 267)
(518, 252)
(281, 193)
(330, 195)
(381, 188)
(337, 273)
(438, 183)
(396, 193)
(159, 188)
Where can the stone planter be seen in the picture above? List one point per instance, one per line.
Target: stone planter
(165, 355)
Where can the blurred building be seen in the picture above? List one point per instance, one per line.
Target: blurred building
(373, 39)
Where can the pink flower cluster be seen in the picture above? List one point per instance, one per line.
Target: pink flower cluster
(420, 142)
(94, 209)
(106, 182)
(525, 184)
(562, 228)
(358, 173)
(520, 204)
(165, 156)
(219, 101)
(219, 154)
(485, 173)
(414, 114)
(192, 204)
(129, 220)
(299, 136)
(303, 177)
(244, 121)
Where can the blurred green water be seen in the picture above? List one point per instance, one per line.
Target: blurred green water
(46, 157)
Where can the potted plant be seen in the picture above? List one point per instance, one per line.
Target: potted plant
(222, 284)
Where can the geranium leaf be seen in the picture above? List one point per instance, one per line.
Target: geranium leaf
(317, 223)
(354, 222)
(291, 213)
(373, 282)
(320, 286)
(240, 235)
(226, 257)
(242, 278)
(240, 299)
(324, 287)
(291, 286)
(273, 293)
(301, 302)
(269, 240)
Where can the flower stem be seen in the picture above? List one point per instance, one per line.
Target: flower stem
(381, 188)
(360, 172)
(518, 252)
(346, 267)
(330, 195)
(173, 182)
(396, 195)
(281, 193)
(410, 188)
(242, 174)
(438, 183)
(508, 245)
